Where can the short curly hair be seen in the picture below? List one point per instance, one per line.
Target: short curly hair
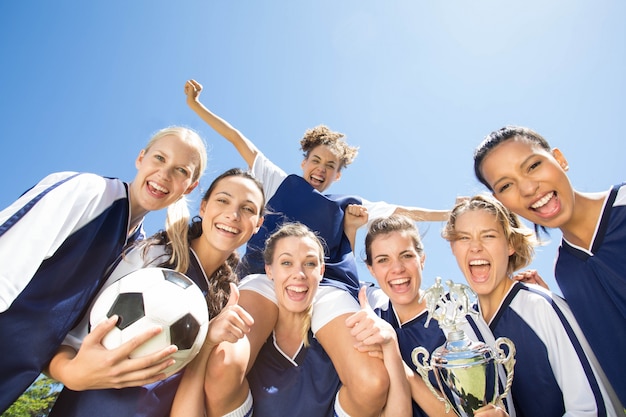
(322, 135)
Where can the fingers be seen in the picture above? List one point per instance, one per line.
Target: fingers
(356, 210)
(490, 410)
(231, 324)
(531, 276)
(97, 333)
(193, 88)
(355, 318)
(125, 349)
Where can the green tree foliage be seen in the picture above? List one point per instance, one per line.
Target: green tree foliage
(37, 401)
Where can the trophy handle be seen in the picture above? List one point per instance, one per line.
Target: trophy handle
(508, 361)
(423, 368)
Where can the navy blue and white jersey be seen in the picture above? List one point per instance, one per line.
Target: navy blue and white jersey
(413, 333)
(56, 243)
(291, 198)
(153, 400)
(554, 374)
(593, 281)
(303, 386)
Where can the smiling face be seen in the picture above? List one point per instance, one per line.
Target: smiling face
(321, 167)
(482, 252)
(165, 172)
(296, 270)
(530, 181)
(231, 214)
(397, 266)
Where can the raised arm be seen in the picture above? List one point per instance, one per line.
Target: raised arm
(244, 146)
(419, 214)
(354, 217)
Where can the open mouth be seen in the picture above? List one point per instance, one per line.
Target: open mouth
(296, 293)
(399, 284)
(157, 189)
(228, 229)
(546, 205)
(479, 270)
(316, 180)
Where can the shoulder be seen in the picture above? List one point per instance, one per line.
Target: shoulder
(84, 182)
(620, 199)
(541, 309)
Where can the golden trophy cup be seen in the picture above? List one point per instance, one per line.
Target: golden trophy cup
(466, 371)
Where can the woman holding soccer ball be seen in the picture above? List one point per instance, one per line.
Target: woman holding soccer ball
(58, 239)
(102, 382)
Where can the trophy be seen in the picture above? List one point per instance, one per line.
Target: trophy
(466, 371)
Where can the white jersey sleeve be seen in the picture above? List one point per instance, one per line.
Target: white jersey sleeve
(378, 209)
(270, 175)
(36, 234)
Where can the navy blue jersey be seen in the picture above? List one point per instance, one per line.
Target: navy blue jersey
(304, 386)
(412, 334)
(553, 374)
(296, 200)
(57, 242)
(153, 400)
(594, 284)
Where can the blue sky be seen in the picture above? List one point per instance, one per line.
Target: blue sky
(415, 84)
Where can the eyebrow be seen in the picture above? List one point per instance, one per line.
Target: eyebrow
(506, 177)
(320, 158)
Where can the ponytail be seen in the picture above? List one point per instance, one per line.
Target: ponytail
(306, 325)
(177, 230)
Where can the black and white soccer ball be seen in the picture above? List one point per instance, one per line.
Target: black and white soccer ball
(149, 297)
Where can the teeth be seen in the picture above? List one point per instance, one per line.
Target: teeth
(297, 289)
(399, 281)
(543, 201)
(479, 262)
(316, 178)
(157, 187)
(227, 228)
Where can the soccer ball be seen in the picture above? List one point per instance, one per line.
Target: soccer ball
(149, 297)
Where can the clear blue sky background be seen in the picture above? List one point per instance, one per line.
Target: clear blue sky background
(416, 84)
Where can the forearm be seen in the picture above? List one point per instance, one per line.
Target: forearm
(244, 146)
(189, 399)
(58, 364)
(399, 395)
(423, 215)
(424, 397)
(350, 233)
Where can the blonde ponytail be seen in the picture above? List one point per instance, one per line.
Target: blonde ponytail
(177, 230)
(306, 325)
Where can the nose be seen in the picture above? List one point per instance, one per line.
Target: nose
(397, 265)
(165, 173)
(232, 214)
(475, 245)
(299, 273)
(528, 187)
